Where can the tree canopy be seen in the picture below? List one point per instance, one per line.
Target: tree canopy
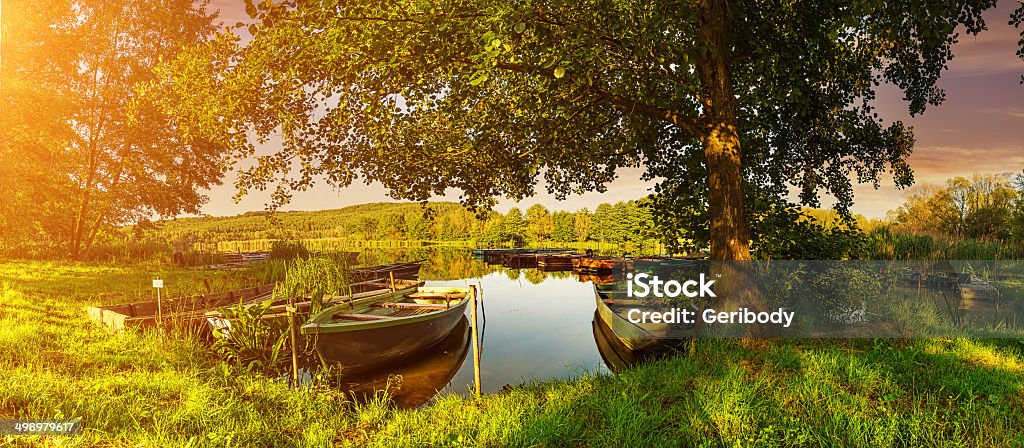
(83, 147)
(729, 104)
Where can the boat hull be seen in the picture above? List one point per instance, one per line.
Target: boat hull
(373, 348)
(633, 336)
(186, 313)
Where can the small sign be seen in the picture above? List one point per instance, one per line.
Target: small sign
(158, 283)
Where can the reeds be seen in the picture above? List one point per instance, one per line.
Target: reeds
(887, 245)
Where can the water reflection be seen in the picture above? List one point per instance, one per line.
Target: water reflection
(613, 352)
(419, 378)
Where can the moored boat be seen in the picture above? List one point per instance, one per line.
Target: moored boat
(554, 262)
(601, 265)
(422, 375)
(614, 353)
(613, 307)
(371, 335)
(276, 314)
(186, 313)
(976, 293)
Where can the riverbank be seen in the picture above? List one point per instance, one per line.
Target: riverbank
(143, 389)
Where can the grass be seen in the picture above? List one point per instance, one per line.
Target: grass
(141, 389)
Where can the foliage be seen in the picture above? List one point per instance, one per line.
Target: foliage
(288, 250)
(315, 278)
(789, 234)
(253, 342)
(102, 154)
(983, 207)
(885, 244)
(515, 92)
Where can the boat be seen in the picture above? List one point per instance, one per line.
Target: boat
(406, 271)
(373, 335)
(276, 314)
(420, 377)
(614, 353)
(663, 264)
(556, 262)
(520, 260)
(613, 306)
(601, 265)
(976, 293)
(184, 312)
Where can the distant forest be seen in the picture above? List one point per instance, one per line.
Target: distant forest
(619, 223)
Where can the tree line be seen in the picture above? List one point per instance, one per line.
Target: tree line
(618, 223)
(984, 207)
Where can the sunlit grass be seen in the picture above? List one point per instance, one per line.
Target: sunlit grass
(144, 389)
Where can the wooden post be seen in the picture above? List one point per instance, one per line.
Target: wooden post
(476, 342)
(294, 337)
(159, 309)
(392, 276)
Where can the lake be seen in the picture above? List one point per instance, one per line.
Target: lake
(534, 325)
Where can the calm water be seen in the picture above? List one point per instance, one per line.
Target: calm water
(534, 326)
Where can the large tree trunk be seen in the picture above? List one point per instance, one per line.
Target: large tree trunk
(729, 235)
(730, 238)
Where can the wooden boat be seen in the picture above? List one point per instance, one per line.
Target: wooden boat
(406, 271)
(220, 320)
(554, 262)
(613, 306)
(601, 265)
(614, 353)
(183, 312)
(372, 335)
(520, 260)
(976, 293)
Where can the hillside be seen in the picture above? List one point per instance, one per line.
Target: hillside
(361, 221)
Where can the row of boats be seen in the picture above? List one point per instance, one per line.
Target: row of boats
(556, 259)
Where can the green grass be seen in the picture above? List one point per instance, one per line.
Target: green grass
(141, 389)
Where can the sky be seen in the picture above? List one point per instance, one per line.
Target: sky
(978, 129)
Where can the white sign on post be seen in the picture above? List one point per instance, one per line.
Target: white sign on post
(158, 283)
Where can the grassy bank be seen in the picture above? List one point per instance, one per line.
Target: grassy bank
(141, 389)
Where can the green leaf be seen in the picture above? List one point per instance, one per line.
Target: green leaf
(478, 78)
(559, 72)
(520, 27)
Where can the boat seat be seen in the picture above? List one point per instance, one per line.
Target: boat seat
(356, 316)
(438, 296)
(418, 306)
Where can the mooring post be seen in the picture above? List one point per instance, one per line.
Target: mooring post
(159, 284)
(476, 342)
(294, 337)
(391, 275)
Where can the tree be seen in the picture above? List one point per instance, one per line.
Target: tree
(513, 226)
(730, 102)
(564, 223)
(583, 224)
(539, 224)
(108, 155)
(981, 207)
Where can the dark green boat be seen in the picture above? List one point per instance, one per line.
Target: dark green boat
(372, 335)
